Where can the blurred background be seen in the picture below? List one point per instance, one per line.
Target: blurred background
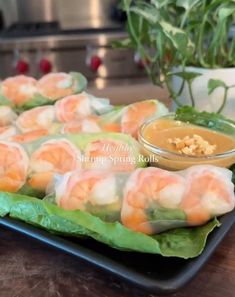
(42, 36)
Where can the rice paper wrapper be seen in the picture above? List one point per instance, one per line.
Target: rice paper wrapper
(7, 115)
(63, 153)
(35, 97)
(156, 200)
(150, 200)
(77, 80)
(132, 116)
(98, 192)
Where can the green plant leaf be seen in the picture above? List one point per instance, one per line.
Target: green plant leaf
(182, 242)
(186, 75)
(214, 84)
(125, 43)
(178, 37)
(225, 12)
(186, 4)
(193, 32)
(150, 15)
(126, 4)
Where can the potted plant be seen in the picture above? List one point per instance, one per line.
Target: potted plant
(187, 46)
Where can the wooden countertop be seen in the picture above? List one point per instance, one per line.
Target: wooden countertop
(29, 268)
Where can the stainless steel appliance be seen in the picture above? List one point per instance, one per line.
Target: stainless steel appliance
(52, 35)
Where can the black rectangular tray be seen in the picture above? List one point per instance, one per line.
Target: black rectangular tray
(152, 272)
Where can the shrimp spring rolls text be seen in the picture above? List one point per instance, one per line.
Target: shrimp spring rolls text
(62, 153)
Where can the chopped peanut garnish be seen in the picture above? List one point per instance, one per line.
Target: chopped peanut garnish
(193, 146)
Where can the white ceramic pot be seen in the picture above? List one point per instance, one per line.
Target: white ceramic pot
(203, 101)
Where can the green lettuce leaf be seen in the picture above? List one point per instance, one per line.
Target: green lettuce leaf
(27, 190)
(37, 100)
(210, 120)
(162, 219)
(182, 242)
(165, 214)
(5, 101)
(81, 81)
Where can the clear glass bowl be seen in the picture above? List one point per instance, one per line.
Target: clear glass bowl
(171, 160)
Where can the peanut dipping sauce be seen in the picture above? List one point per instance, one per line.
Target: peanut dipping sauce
(159, 132)
(163, 133)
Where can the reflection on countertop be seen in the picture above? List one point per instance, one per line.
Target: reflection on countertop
(126, 91)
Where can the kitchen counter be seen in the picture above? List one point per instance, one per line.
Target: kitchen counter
(126, 91)
(30, 268)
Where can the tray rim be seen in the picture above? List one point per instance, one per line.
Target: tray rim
(121, 271)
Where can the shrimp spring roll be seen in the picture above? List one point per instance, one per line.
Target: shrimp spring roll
(156, 200)
(132, 116)
(52, 156)
(24, 92)
(7, 132)
(96, 191)
(54, 86)
(14, 163)
(209, 192)
(64, 153)
(18, 90)
(37, 118)
(71, 109)
(7, 115)
(76, 107)
(89, 124)
(151, 201)
(28, 136)
(148, 200)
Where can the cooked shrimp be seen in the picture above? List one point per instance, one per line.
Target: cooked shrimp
(7, 116)
(19, 89)
(56, 85)
(87, 125)
(29, 136)
(109, 154)
(7, 132)
(73, 108)
(77, 189)
(53, 156)
(128, 119)
(36, 118)
(13, 166)
(112, 127)
(136, 114)
(209, 193)
(147, 188)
